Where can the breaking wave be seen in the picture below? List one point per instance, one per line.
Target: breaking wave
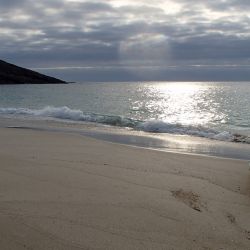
(153, 126)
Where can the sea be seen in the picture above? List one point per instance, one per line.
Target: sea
(197, 111)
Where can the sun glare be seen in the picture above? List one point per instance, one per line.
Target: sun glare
(183, 103)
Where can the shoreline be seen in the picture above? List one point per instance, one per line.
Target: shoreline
(183, 144)
(65, 191)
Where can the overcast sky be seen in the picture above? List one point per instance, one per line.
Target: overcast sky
(128, 39)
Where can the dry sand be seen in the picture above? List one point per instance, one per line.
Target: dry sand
(63, 191)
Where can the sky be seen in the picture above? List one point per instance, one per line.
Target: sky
(126, 40)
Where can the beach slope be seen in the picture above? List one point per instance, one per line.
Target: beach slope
(65, 191)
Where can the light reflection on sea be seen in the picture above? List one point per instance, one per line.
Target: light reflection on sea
(179, 107)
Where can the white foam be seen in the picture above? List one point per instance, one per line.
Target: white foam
(224, 136)
(56, 112)
(70, 114)
(155, 126)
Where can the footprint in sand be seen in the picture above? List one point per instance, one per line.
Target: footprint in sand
(189, 198)
(231, 218)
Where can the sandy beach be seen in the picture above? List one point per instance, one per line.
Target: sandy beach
(65, 191)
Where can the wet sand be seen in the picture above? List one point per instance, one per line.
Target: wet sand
(65, 191)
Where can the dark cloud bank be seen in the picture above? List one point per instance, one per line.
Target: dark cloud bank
(106, 41)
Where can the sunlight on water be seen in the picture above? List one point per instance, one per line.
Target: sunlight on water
(215, 110)
(184, 103)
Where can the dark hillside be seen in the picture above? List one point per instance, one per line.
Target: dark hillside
(12, 74)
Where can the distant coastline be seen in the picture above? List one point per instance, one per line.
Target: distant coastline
(12, 74)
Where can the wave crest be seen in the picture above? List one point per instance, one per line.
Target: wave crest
(153, 126)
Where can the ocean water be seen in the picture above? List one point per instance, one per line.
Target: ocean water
(214, 110)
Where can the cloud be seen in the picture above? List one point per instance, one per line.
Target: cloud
(11, 3)
(75, 33)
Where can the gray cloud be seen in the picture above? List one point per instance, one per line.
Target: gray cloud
(65, 33)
